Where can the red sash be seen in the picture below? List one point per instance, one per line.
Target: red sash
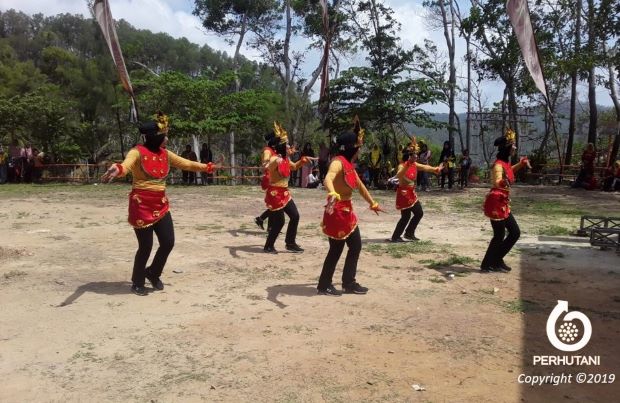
(146, 207)
(284, 168)
(339, 221)
(153, 164)
(276, 198)
(405, 197)
(350, 176)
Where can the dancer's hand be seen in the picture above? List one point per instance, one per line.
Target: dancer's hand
(525, 161)
(110, 174)
(439, 169)
(376, 208)
(334, 196)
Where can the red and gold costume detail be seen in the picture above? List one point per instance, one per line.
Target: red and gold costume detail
(277, 194)
(339, 219)
(497, 202)
(148, 202)
(407, 174)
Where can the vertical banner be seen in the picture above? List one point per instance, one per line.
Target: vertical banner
(103, 15)
(519, 14)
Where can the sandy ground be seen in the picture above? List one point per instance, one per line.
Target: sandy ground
(236, 325)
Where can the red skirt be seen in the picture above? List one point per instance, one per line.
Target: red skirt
(496, 204)
(146, 207)
(405, 197)
(340, 221)
(276, 198)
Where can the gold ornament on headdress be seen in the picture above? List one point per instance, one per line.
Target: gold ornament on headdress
(413, 147)
(281, 134)
(162, 121)
(510, 135)
(357, 129)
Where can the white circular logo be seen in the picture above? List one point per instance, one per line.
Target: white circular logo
(568, 332)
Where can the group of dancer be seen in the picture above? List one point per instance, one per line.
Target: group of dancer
(149, 212)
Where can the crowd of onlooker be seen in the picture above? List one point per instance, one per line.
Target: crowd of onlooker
(587, 178)
(20, 164)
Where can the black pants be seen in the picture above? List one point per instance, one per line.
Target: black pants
(276, 219)
(500, 246)
(405, 218)
(165, 236)
(354, 243)
(450, 175)
(464, 176)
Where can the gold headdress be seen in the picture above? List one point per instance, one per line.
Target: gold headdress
(510, 135)
(357, 129)
(413, 147)
(162, 121)
(281, 134)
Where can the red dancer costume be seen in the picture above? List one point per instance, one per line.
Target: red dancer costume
(278, 197)
(339, 220)
(149, 165)
(406, 197)
(497, 207)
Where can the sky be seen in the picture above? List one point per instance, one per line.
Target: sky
(175, 18)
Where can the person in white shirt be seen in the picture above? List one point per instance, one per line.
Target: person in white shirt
(313, 179)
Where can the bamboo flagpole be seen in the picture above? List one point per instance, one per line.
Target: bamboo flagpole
(103, 15)
(519, 14)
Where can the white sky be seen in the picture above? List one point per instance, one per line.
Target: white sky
(175, 18)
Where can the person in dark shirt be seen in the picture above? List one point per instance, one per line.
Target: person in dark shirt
(189, 177)
(206, 156)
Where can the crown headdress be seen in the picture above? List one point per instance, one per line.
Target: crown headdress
(162, 121)
(357, 129)
(510, 135)
(281, 134)
(413, 146)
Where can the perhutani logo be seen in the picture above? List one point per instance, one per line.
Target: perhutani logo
(567, 336)
(568, 332)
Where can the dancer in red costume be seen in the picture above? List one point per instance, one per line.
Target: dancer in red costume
(149, 165)
(339, 221)
(278, 197)
(268, 152)
(406, 197)
(497, 207)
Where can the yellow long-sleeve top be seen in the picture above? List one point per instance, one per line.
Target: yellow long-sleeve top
(145, 182)
(266, 158)
(334, 182)
(402, 170)
(499, 180)
(275, 179)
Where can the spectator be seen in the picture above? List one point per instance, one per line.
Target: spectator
(323, 160)
(448, 159)
(425, 159)
(313, 179)
(27, 162)
(3, 165)
(306, 170)
(37, 167)
(465, 165)
(294, 157)
(189, 177)
(611, 182)
(206, 156)
(16, 164)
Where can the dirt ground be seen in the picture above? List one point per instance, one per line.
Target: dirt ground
(234, 324)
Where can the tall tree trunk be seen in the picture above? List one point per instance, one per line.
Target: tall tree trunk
(573, 88)
(236, 65)
(468, 129)
(287, 59)
(448, 33)
(613, 91)
(591, 73)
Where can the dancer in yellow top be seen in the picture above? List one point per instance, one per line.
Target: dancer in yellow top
(149, 165)
(406, 197)
(339, 221)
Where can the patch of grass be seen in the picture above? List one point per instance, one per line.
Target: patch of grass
(14, 273)
(553, 230)
(400, 250)
(519, 306)
(436, 279)
(453, 260)
(544, 208)
(203, 227)
(468, 204)
(544, 253)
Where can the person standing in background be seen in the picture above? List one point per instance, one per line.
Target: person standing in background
(323, 161)
(425, 159)
(465, 166)
(374, 165)
(306, 169)
(189, 177)
(206, 156)
(448, 158)
(3, 165)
